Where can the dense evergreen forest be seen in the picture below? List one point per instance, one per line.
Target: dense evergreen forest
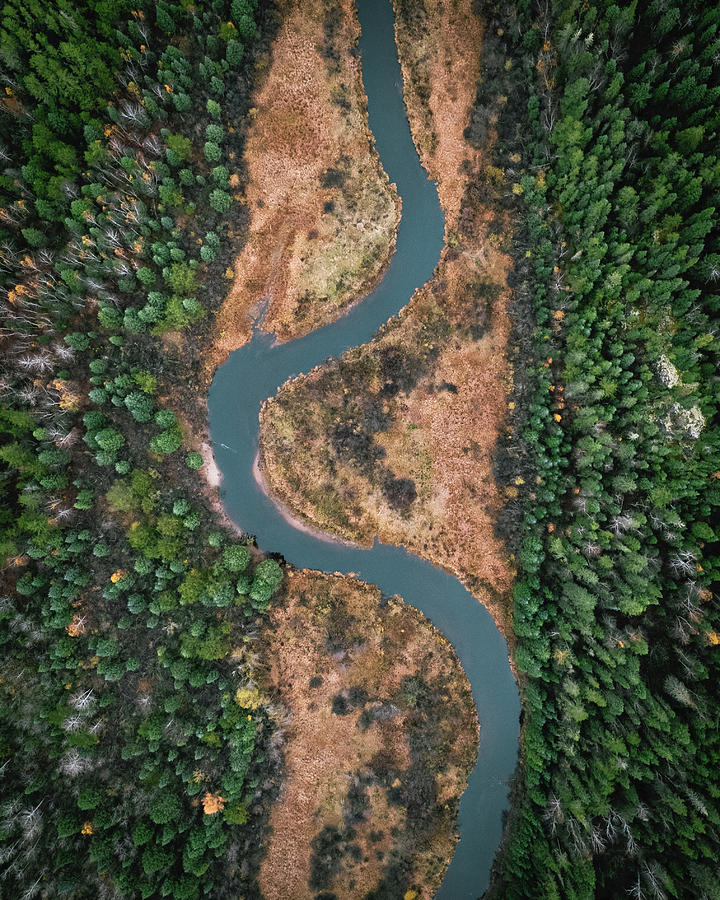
(134, 751)
(131, 745)
(616, 451)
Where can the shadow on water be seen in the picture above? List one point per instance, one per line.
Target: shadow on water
(254, 373)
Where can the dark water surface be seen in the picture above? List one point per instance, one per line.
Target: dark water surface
(254, 373)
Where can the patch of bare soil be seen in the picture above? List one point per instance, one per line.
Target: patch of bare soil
(398, 439)
(380, 737)
(323, 217)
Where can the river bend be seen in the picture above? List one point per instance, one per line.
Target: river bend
(256, 371)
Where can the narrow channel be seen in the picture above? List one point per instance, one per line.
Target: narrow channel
(256, 371)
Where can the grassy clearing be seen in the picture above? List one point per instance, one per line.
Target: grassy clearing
(323, 216)
(350, 245)
(380, 736)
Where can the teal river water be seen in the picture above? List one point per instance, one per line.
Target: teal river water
(254, 373)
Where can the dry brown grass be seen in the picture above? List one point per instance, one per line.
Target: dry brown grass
(444, 440)
(338, 629)
(315, 244)
(442, 51)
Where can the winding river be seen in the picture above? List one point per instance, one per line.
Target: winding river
(256, 371)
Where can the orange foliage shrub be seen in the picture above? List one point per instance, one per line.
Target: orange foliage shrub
(213, 803)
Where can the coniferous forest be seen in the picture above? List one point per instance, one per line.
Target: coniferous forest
(618, 445)
(122, 596)
(135, 752)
